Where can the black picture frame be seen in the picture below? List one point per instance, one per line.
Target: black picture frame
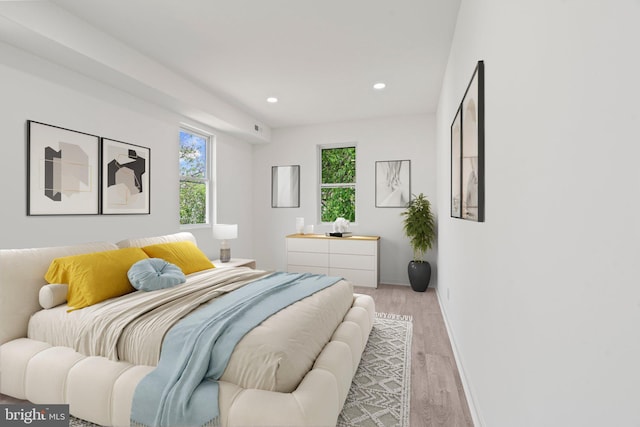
(126, 170)
(285, 186)
(393, 183)
(467, 152)
(63, 167)
(456, 163)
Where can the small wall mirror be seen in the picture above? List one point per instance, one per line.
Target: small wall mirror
(285, 186)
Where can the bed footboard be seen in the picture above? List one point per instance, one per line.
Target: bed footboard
(101, 391)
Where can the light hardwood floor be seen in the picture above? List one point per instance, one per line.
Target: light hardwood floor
(437, 396)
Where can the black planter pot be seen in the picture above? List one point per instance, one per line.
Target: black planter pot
(419, 275)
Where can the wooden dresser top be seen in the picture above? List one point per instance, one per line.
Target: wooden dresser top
(322, 236)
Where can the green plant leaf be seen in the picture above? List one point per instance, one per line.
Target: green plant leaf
(419, 226)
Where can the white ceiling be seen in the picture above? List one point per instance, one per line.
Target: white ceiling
(319, 57)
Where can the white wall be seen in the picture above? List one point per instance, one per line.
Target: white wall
(234, 180)
(34, 89)
(544, 302)
(395, 138)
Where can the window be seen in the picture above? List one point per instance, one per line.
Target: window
(195, 177)
(338, 183)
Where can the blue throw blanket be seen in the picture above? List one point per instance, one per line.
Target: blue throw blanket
(183, 389)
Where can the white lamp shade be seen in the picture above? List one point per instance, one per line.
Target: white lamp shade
(225, 231)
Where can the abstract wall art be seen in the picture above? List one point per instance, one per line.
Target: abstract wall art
(125, 178)
(62, 171)
(285, 186)
(467, 152)
(393, 183)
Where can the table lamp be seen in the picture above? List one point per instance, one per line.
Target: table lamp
(225, 232)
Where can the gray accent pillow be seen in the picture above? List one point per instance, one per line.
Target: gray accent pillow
(152, 274)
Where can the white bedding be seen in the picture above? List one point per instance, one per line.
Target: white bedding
(274, 356)
(101, 390)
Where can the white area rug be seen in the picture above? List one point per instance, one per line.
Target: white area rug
(381, 389)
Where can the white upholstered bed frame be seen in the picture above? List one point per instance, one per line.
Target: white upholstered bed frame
(101, 391)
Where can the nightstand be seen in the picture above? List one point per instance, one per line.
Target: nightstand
(235, 262)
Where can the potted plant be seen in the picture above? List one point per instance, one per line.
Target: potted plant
(419, 226)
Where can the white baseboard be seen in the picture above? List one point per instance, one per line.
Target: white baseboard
(475, 416)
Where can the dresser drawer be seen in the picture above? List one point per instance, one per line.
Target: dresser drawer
(356, 262)
(353, 247)
(308, 245)
(308, 258)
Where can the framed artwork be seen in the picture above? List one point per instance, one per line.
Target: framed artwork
(125, 178)
(467, 152)
(285, 186)
(393, 183)
(456, 163)
(62, 171)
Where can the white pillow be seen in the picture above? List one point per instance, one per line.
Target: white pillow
(53, 295)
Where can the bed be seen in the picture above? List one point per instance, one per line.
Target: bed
(293, 369)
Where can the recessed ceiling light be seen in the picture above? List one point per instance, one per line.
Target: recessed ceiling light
(272, 99)
(379, 86)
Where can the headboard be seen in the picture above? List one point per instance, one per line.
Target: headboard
(22, 275)
(146, 241)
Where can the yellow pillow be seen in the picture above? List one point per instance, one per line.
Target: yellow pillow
(94, 277)
(185, 255)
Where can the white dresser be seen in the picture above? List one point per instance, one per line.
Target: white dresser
(355, 258)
